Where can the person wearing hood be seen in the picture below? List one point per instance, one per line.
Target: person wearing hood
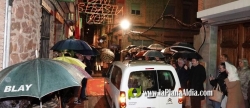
(235, 98)
(244, 75)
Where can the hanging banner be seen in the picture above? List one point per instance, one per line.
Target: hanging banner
(99, 11)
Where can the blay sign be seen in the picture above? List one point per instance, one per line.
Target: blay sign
(14, 88)
(99, 11)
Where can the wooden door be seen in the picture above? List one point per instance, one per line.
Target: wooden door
(228, 42)
(246, 42)
(234, 40)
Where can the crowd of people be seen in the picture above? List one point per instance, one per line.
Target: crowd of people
(233, 82)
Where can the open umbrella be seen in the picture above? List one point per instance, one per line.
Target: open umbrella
(155, 47)
(37, 78)
(182, 46)
(130, 46)
(93, 52)
(167, 50)
(153, 53)
(71, 60)
(71, 44)
(187, 54)
(86, 74)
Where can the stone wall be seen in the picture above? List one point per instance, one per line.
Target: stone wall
(2, 24)
(25, 30)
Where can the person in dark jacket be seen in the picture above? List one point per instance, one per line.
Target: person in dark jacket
(87, 62)
(182, 72)
(219, 80)
(196, 80)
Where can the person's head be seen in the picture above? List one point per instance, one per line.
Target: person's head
(88, 57)
(67, 54)
(157, 58)
(180, 62)
(222, 67)
(243, 63)
(55, 54)
(195, 61)
(223, 58)
(173, 63)
(79, 56)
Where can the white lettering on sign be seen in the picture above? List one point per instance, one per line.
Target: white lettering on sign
(14, 89)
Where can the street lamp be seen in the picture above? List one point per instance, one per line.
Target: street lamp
(125, 24)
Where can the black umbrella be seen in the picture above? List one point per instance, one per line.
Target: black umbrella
(187, 54)
(182, 46)
(92, 52)
(71, 44)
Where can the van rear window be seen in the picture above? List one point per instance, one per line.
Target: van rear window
(152, 80)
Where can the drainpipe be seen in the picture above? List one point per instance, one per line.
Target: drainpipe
(7, 23)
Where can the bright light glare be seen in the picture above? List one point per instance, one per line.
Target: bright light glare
(125, 24)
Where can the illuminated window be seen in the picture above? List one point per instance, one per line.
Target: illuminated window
(135, 9)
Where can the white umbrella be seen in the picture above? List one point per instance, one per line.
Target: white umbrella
(155, 47)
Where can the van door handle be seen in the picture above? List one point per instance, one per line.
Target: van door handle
(151, 97)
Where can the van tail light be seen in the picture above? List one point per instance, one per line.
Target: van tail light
(122, 99)
(180, 98)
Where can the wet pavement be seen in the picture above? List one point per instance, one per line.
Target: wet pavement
(94, 101)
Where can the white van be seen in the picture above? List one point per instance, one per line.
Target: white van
(126, 84)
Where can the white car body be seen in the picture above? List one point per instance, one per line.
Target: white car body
(122, 75)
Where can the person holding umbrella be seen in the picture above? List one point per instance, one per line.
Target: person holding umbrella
(84, 80)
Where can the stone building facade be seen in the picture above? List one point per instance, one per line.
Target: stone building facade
(25, 30)
(2, 30)
(142, 14)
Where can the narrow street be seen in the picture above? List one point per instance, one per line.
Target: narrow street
(96, 99)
